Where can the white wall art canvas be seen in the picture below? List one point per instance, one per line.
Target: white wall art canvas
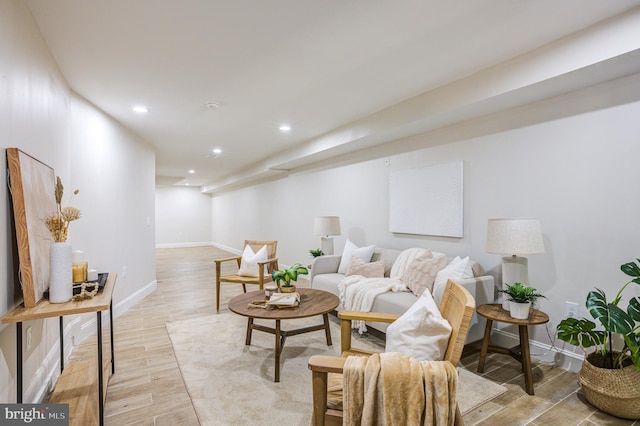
(427, 200)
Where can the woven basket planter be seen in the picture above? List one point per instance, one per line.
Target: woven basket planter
(614, 391)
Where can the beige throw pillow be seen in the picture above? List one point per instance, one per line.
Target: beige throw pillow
(367, 269)
(422, 271)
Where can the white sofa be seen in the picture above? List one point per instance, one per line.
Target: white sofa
(324, 276)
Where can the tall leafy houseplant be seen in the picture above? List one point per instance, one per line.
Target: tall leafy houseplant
(582, 332)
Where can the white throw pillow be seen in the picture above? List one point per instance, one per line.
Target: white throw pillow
(458, 269)
(420, 332)
(350, 249)
(249, 262)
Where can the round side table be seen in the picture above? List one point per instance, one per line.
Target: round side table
(494, 312)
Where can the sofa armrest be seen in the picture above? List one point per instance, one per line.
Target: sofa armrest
(326, 264)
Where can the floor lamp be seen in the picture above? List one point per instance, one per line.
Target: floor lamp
(326, 226)
(514, 237)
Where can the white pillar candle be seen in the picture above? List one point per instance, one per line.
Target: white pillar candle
(77, 256)
(92, 275)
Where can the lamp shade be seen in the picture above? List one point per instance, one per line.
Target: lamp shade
(514, 236)
(326, 225)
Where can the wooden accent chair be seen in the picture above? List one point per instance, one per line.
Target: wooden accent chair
(457, 307)
(271, 264)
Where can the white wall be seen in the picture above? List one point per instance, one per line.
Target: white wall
(183, 216)
(113, 169)
(575, 170)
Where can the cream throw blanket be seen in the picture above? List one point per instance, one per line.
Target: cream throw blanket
(358, 293)
(394, 389)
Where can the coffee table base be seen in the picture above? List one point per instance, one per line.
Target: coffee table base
(281, 336)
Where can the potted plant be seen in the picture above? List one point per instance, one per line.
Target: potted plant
(316, 252)
(286, 276)
(610, 376)
(521, 298)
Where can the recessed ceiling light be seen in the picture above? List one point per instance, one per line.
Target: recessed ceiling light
(192, 171)
(140, 108)
(213, 105)
(285, 128)
(187, 184)
(217, 151)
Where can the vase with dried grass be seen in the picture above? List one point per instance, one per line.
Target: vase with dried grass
(60, 257)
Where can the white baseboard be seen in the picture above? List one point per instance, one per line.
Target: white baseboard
(546, 353)
(124, 305)
(226, 248)
(177, 245)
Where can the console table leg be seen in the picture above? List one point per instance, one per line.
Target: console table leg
(100, 378)
(113, 352)
(19, 364)
(61, 346)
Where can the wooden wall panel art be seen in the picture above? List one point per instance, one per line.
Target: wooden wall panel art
(32, 186)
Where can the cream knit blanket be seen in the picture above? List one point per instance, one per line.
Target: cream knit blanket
(394, 389)
(358, 293)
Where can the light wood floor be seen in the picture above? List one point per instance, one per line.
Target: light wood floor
(147, 388)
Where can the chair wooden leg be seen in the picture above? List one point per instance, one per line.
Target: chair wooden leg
(345, 335)
(244, 287)
(217, 296)
(319, 383)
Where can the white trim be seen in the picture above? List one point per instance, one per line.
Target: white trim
(229, 249)
(177, 245)
(124, 305)
(561, 358)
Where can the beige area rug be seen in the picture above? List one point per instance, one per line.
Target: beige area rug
(232, 384)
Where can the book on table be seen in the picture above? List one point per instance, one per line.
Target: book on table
(284, 300)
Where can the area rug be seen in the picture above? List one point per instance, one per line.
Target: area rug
(232, 384)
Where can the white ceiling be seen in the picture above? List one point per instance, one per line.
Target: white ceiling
(324, 67)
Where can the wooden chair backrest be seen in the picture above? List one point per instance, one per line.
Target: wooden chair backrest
(271, 249)
(457, 307)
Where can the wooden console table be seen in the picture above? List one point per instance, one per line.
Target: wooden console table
(44, 309)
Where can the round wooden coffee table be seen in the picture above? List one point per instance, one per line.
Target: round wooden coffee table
(312, 303)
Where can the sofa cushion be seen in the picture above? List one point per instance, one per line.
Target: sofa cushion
(388, 255)
(421, 332)
(422, 271)
(350, 250)
(367, 270)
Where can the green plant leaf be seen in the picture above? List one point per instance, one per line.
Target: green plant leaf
(634, 309)
(579, 332)
(612, 318)
(631, 269)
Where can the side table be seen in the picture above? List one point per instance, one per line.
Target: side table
(494, 312)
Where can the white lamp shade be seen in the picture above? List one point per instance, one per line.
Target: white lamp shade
(327, 225)
(514, 236)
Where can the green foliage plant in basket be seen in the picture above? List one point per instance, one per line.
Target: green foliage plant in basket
(610, 376)
(286, 276)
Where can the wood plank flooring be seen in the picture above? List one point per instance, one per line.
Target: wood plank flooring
(147, 388)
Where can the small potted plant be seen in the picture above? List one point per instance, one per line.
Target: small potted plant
(610, 376)
(521, 298)
(286, 276)
(316, 252)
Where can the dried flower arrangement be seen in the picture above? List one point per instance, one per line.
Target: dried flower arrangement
(58, 222)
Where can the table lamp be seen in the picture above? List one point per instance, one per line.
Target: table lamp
(514, 237)
(326, 226)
